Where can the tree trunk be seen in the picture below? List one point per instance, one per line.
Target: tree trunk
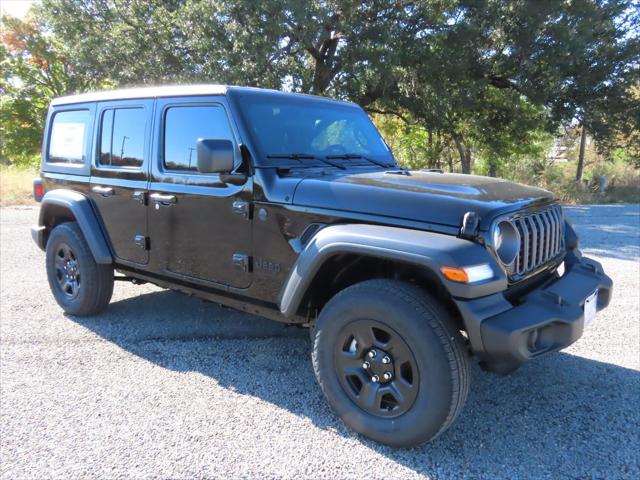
(438, 152)
(431, 158)
(326, 66)
(321, 77)
(469, 160)
(583, 142)
(465, 155)
(493, 169)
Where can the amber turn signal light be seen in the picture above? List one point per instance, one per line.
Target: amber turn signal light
(471, 274)
(455, 274)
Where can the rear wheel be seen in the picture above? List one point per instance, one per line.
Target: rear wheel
(389, 362)
(79, 284)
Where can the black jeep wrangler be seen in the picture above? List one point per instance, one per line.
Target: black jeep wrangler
(293, 207)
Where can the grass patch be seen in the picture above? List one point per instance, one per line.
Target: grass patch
(622, 183)
(16, 186)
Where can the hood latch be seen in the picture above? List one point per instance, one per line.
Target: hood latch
(469, 228)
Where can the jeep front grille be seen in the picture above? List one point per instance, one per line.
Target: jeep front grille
(541, 238)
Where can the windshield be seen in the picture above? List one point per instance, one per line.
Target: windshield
(305, 129)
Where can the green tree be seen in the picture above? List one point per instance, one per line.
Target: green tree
(127, 41)
(309, 46)
(34, 68)
(576, 58)
(494, 72)
(482, 78)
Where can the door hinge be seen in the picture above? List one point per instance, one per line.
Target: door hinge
(142, 242)
(242, 262)
(242, 208)
(140, 196)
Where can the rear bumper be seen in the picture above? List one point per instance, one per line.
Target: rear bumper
(506, 334)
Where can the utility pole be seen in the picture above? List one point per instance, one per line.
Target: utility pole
(191, 149)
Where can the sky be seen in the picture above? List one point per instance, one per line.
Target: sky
(15, 8)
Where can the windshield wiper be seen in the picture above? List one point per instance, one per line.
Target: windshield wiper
(349, 156)
(305, 156)
(292, 156)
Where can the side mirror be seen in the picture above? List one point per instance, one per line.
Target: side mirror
(215, 156)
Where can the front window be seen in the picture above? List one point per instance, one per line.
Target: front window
(183, 126)
(283, 125)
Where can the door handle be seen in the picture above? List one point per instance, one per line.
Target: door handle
(104, 191)
(164, 200)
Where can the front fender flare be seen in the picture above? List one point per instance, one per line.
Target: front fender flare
(426, 249)
(80, 207)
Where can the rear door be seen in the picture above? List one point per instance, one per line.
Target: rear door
(119, 176)
(199, 226)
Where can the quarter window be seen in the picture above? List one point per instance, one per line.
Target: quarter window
(69, 136)
(122, 137)
(183, 126)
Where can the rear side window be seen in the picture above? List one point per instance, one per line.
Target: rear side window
(69, 137)
(183, 126)
(122, 137)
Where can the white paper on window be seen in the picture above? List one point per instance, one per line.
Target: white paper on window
(67, 141)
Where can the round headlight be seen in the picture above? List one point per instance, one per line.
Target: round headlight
(506, 241)
(497, 237)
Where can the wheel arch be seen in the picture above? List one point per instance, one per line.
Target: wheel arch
(59, 206)
(343, 270)
(341, 255)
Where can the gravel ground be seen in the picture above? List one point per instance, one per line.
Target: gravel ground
(162, 385)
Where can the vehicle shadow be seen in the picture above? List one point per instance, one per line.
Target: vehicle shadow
(552, 416)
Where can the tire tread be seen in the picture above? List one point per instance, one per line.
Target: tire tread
(438, 318)
(99, 277)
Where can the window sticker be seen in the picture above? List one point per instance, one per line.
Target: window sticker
(67, 141)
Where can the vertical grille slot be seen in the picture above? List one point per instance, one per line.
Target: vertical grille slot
(541, 238)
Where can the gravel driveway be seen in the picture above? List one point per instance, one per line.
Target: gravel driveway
(163, 385)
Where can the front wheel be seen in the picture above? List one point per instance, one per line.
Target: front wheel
(390, 363)
(79, 284)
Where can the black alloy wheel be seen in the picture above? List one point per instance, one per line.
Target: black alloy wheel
(80, 285)
(391, 362)
(67, 270)
(376, 368)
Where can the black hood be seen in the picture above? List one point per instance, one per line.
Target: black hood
(431, 197)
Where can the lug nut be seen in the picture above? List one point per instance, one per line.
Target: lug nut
(387, 376)
(366, 365)
(372, 353)
(375, 379)
(386, 359)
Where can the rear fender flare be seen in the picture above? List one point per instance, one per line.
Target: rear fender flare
(80, 207)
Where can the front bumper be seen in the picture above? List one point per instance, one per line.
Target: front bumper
(504, 334)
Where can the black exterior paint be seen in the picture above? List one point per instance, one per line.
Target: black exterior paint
(202, 219)
(429, 197)
(191, 241)
(115, 192)
(197, 236)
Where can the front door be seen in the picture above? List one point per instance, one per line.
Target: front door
(119, 176)
(199, 226)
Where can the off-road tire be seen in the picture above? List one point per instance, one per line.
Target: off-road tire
(95, 281)
(437, 346)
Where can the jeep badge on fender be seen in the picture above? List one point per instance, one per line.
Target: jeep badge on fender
(293, 207)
